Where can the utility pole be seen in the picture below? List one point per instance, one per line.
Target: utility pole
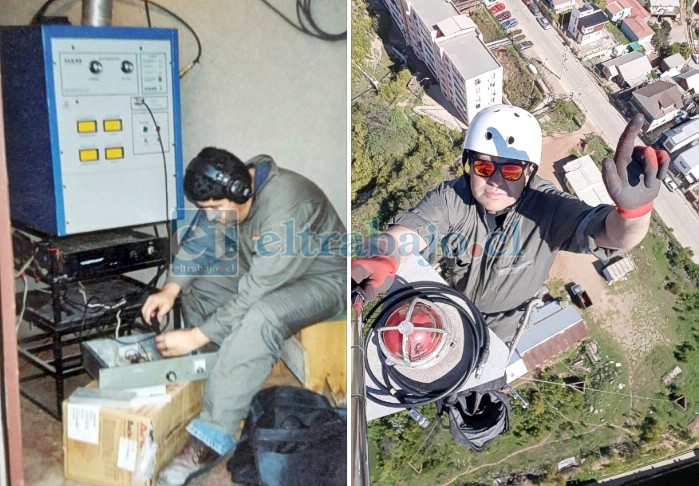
(563, 65)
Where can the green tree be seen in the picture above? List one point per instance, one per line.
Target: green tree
(651, 429)
(678, 47)
(362, 35)
(662, 32)
(682, 350)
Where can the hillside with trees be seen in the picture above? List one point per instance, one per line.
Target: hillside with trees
(397, 155)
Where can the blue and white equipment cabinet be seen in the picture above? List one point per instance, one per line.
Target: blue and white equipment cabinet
(84, 110)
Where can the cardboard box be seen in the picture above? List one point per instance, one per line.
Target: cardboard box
(108, 446)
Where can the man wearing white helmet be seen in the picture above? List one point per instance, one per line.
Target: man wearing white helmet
(500, 226)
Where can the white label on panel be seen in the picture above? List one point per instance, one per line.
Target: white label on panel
(154, 73)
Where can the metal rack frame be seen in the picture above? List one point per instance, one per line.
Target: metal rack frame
(56, 333)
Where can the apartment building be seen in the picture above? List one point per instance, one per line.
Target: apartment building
(452, 48)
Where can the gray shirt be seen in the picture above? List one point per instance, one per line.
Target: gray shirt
(499, 268)
(291, 231)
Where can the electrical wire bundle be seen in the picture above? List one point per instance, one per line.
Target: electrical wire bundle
(306, 22)
(413, 388)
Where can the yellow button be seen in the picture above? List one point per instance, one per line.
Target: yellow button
(87, 126)
(112, 125)
(114, 153)
(89, 155)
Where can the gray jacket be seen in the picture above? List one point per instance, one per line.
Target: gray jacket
(500, 268)
(292, 231)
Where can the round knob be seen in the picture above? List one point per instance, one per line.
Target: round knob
(126, 67)
(171, 376)
(96, 67)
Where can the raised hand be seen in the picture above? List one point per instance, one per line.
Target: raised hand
(633, 178)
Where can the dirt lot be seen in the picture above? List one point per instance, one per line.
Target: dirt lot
(631, 321)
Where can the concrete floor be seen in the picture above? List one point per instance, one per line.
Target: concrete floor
(42, 436)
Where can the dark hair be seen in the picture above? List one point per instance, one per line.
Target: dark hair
(199, 185)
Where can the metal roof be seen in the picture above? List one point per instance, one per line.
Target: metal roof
(623, 59)
(679, 134)
(550, 320)
(673, 61)
(636, 70)
(585, 181)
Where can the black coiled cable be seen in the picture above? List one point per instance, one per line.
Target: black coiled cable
(410, 393)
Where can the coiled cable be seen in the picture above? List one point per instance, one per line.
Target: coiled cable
(411, 393)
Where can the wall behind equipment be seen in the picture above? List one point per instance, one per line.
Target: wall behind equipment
(261, 85)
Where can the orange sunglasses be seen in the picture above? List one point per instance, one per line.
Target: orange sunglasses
(509, 171)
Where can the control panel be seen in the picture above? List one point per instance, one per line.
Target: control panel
(112, 157)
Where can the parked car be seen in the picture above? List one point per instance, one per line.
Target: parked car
(498, 7)
(534, 9)
(508, 24)
(501, 17)
(670, 184)
(527, 2)
(524, 45)
(543, 23)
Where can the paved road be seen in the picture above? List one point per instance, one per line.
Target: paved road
(570, 77)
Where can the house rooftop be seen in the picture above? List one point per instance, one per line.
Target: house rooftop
(689, 74)
(638, 27)
(678, 134)
(637, 10)
(670, 62)
(635, 71)
(689, 80)
(659, 97)
(614, 8)
(624, 59)
(594, 19)
(585, 180)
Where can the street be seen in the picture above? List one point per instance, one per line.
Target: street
(570, 77)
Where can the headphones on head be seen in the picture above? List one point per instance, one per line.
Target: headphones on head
(237, 190)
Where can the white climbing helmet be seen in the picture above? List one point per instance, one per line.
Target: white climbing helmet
(505, 131)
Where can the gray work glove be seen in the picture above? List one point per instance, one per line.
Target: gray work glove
(633, 177)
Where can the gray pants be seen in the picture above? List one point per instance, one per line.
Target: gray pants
(246, 356)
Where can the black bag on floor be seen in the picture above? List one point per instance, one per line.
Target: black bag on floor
(476, 417)
(291, 437)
